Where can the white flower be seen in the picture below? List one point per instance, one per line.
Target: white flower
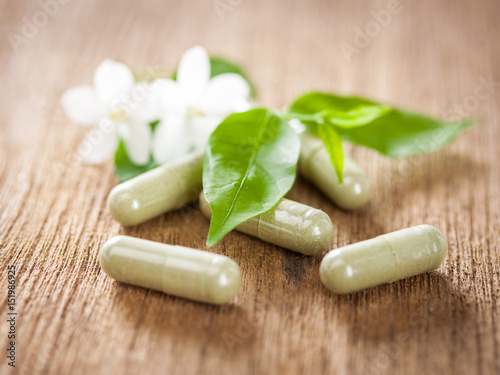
(194, 105)
(119, 108)
(189, 109)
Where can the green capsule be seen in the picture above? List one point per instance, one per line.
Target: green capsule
(180, 271)
(383, 259)
(316, 167)
(290, 224)
(163, 189)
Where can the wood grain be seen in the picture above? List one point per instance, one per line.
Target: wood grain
(73, 319)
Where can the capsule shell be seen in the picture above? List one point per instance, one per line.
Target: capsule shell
(290, 224)
(177, 270)
(316, 167)
(383, 259)
(157, 191)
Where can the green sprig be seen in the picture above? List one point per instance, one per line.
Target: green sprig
(251, 158)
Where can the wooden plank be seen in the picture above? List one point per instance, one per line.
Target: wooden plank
(429, 56)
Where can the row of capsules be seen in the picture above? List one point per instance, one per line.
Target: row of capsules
(213, 278)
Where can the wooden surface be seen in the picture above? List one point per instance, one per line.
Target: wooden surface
(73, 319)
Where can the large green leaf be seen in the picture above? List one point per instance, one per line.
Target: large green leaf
(401, 134)
(394, 133)
(249, 165)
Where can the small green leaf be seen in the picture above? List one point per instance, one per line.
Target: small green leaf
(341, 111)
(249, 165)
(359, 116)
(153, 125)
(221, 66)
(315, 102)
(125, 169)
(394, 133)
(333, 144)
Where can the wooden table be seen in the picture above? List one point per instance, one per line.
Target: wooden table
(428, 56)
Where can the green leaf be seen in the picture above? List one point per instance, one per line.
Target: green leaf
(394, 133)
(153, 125)
(333, 144)
(341, 111)
(221, 66)
(249, 165)
(402, 134)
(359, 116)
(316, 102)
(125, 169)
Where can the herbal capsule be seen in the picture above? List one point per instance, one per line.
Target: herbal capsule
(290, 224)
(316, 167)
(384, 259)
(157, 191)
(180, 271)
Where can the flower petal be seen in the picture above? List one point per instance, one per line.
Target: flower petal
(100, 144)
(111, 80)
(171, 139)
(82, 105)
(144, 105)
(169, 96)
(224, 94)
(193, 73)
(200, 129)
(137, 138)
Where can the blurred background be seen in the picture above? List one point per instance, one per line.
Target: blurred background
(439, 57)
